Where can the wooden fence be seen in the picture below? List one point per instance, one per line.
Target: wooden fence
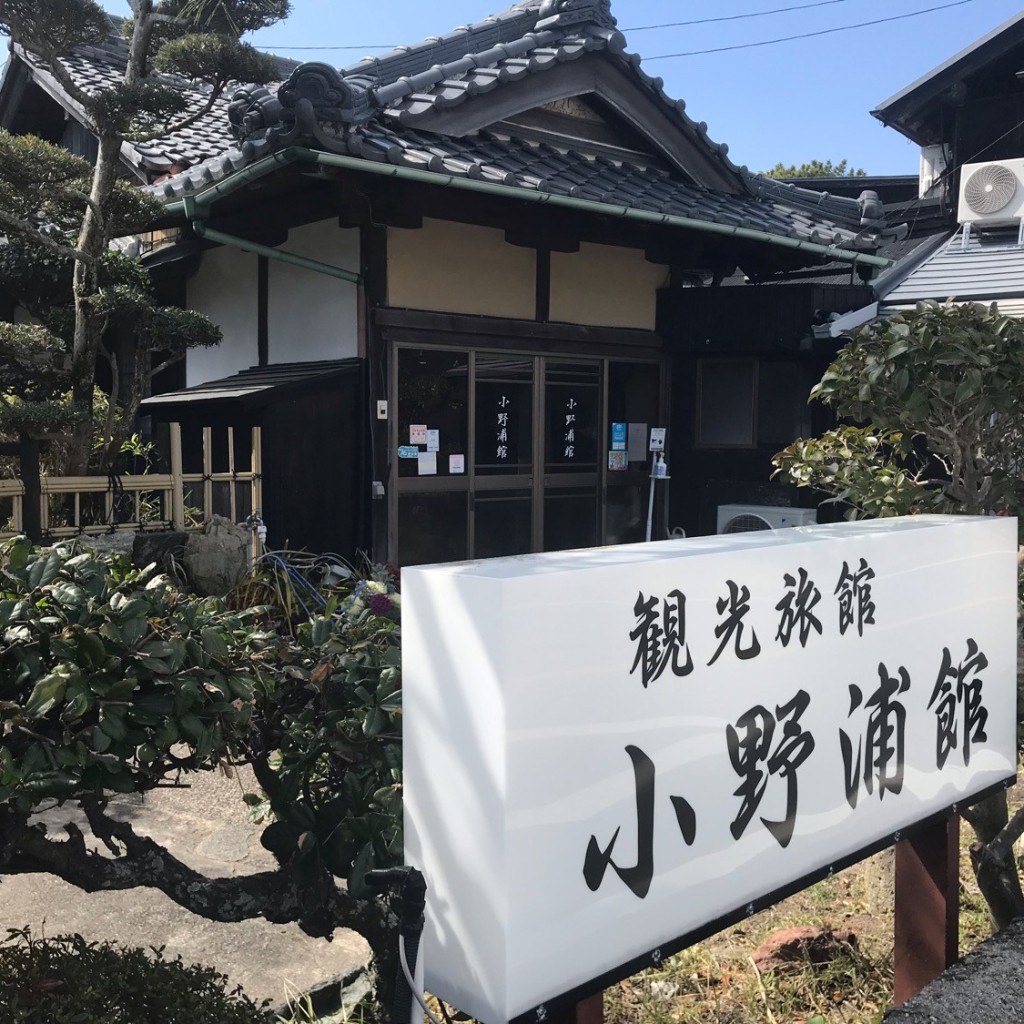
(69, 506)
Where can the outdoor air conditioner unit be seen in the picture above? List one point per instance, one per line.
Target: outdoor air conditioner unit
(992, 194)
(747, 518)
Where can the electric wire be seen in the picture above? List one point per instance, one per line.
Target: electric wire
(808, 35)
(410, 981)
(681, 24)
(733, 17)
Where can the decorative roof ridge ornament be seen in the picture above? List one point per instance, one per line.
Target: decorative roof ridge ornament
(317, 103)
(566, 13)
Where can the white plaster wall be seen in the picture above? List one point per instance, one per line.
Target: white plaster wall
(605, 286)
(224, 288)
(313, 316)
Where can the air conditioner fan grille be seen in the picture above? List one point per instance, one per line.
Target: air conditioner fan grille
(746, 524)
(990, 188)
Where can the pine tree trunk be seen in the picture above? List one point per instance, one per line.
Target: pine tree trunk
(92, 241)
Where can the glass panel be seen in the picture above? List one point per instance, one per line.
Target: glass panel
(504, 415)
(726, 416)
(433, 393)
(627, 508)
(572, 417)
(634, 396)
(783, 414)
(570, 518)
(432, 528)
(503, 523)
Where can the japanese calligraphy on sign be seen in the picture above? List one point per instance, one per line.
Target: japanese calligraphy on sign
(501, 434)
(569, 437)
(645, 740)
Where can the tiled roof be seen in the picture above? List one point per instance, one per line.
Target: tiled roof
(377, 109)
(256, 386)
(990, 268)
(506, 160)
(97, 67)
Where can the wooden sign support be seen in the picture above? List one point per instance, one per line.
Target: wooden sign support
(927, 915)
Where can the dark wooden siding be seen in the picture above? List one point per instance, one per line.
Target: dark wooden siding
(315, 485)
(766, 324)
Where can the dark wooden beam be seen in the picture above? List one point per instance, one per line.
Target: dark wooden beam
(425, 328)
(543, 313)
(263, 310)
(542, 238)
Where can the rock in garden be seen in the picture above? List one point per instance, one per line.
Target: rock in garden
(216, 559)
(804, 944)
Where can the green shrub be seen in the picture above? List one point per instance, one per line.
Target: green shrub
(66, 980)
(105, 670)
(336, 707)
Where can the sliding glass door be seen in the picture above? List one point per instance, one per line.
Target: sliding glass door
(499, 454)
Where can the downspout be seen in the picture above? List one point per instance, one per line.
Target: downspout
(196, 215)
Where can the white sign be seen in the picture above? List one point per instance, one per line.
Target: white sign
(418, 433)
(658, 439)
(608, 750)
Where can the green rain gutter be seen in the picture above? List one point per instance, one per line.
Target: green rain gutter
(298, 154)
(195, 208)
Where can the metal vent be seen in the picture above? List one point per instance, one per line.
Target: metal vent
(746, 524)
(990, 188)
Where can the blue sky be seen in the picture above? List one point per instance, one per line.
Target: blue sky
(791, 102)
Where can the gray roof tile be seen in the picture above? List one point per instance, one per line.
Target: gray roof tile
(395, 90)
(991, 267)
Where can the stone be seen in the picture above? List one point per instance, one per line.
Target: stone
(121, 543)
(804, 944)
(161, 547)
(216, 560)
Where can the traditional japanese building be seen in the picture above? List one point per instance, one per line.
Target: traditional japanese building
(446, 276)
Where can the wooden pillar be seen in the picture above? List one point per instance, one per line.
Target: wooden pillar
(32, 502)
(927, 916)
(589, 1011)
(177, 480)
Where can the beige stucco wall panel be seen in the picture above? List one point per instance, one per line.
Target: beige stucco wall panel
(461, 268)
(605, 286)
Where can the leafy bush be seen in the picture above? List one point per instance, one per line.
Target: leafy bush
(105, 668)
(337, 792)
(66, 980)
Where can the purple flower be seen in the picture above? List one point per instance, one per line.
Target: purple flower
(380, 604)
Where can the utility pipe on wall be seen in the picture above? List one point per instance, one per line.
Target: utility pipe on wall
(197, 218)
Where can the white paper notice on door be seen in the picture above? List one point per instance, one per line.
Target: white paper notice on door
(418, 433)
(433, 441)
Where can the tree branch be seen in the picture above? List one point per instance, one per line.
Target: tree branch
(316, 903)
(166, 364)
(30, 234)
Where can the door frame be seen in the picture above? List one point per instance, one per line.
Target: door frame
(404, 330)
